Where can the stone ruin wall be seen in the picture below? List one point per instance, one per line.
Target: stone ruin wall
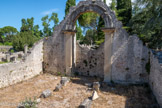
(11, 73)
(129, 56)
(90, 62)
(129, 60)
(5, 48)
(155, 78)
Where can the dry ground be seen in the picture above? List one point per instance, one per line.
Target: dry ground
(75, 92)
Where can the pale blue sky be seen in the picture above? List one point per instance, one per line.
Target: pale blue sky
(12, 11)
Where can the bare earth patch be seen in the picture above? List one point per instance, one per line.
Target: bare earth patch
(74, 93)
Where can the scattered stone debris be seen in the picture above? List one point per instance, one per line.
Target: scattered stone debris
(38, 100)
(96, 86)
(64, 81)
(46, 94)
(20, 106)
(86, 103)
(88, 84)
(58, 87)
(94, 95)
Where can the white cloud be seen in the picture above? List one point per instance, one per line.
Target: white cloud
(49, 11)
(107, 1)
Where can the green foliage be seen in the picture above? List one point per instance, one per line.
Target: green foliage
(3, 62)
(22, 39)
(47, 31)
(100, 34)
(146, 22)
(79, 35)
(12, 51)
(59, 73)
(28, 35)
(69, 3)
(29, 103)
(90, 18)
(124, 11)
(113, 6)
(6, 35)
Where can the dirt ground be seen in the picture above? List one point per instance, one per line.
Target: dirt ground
(116, 96)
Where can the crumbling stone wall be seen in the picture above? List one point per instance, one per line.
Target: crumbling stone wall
(129, 56)
(5, 48)
(155, 78)
(129, 61)
(90, 62)
(11, 73)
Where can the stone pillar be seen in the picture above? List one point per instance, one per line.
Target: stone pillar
(26, 49)
(7, 57)
(69, 51)
(109, 32)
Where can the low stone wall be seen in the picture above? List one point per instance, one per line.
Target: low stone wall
(90, 62)
(5, 48)
(155, 78)
(11, 73)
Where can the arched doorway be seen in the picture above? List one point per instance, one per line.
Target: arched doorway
(69, 34)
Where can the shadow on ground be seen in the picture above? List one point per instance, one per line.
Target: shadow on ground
(136, 96)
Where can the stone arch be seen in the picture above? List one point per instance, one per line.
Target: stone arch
(69, 33)
(96, 6)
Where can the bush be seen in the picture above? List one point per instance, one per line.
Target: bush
(29, 103)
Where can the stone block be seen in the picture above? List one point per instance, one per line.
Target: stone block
(96, 86)
(88, 84)
(46, 94)
(64, 81)
(94, 95)
(86, 103)
(58, 87)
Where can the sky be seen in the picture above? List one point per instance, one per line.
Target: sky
(12, 11)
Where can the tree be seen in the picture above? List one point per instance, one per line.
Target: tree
(69, 3)
(22, 39)
(113, 6)
(124, 11)
(27, 25)
(90, 19)
(79, 35)
(6, 34)
(146, 22)
(47, 30)
(100, 34)
(29, 34)
(46, 25)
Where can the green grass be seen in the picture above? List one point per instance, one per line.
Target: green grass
(3, 62)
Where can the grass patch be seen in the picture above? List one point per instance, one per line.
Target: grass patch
(3, 62)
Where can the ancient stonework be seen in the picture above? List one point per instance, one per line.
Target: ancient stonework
(155, 78)
(11, 73)
(90, 62)
(122, 58)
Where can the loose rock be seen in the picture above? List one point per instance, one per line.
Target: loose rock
(20, 106)
(58, 87)
(86, 103)
(88, 84)
(38, 100)
(96, 86)
(94, 95)
(46, 94)
(64, 81)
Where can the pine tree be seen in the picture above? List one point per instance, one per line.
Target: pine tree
(69, 3)
(124, 10)
(100, 33)
(113, 6)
